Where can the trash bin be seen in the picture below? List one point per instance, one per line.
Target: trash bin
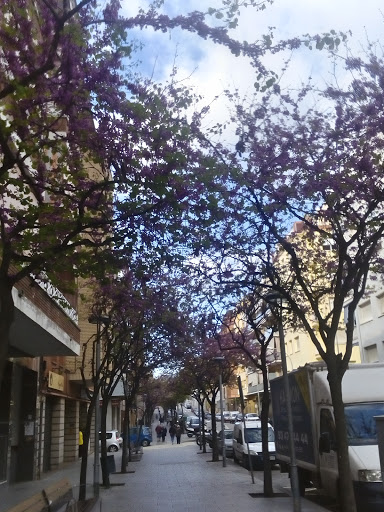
(111, 465)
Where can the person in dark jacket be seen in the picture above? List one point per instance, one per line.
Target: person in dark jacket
(178, 433)
(163, 433)
(158, 429)
(172, 432)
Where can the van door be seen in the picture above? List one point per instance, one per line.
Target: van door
(328, 452)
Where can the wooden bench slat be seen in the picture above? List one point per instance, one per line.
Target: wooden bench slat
(35, 503)
(57, 494)
(58, 490)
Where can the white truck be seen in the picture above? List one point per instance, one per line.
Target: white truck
(313, 429)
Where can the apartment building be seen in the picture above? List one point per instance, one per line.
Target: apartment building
(38, 405)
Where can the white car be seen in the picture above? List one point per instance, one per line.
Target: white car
(251, 416)
(252, 436)
(114, 440)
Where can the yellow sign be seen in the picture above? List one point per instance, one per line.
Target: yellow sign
(56, 381)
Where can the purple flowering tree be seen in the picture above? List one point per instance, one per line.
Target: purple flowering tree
(305, 214)
(90, 155)
(146, 329)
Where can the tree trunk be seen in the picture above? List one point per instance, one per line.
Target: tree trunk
(215, 448)
(268, 488)
(7, 314)
(103, 448)
(345, 491)
(203, 427)
(84, 458)
(124, 456)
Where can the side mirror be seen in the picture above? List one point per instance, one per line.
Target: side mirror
(324, 443)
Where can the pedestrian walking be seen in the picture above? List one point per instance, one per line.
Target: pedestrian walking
(158, 431)
(178, 433)
(172, 432)
(163, 433)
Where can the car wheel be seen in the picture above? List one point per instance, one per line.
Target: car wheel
(144, 442)
(113, 448)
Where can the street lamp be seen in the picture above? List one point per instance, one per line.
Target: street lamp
(275, 298)
(220, 360)
(97, 320)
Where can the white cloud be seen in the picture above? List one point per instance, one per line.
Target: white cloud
(213, 68)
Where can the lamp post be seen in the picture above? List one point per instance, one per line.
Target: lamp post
(220, 360)
(275, 297)
(98, 320)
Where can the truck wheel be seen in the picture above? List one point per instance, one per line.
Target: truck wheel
(144, 442)
(245, 461)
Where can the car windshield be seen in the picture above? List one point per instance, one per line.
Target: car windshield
(253, 435)
(361, 425)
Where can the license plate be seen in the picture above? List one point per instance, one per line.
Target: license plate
(272, 457)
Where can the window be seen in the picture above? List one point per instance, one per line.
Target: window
(289, 347)
(361, 425)
(365, 312)
(253, 435)
(371, 355)
(297, 344)
(380, 300)
(327, 427)
(346, 308)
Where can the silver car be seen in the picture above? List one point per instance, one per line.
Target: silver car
(114, 440)
(228, 439)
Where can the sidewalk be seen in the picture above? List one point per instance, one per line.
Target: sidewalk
(11, 495)
(170, 478)
(180, 478)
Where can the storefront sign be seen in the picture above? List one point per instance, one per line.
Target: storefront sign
(56, 381)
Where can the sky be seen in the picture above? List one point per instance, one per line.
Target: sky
(211, 69)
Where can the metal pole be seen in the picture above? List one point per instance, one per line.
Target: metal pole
(96, 465)
(294, 474)
(222, 419)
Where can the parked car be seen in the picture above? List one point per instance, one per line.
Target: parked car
(145, 438)
(251, 416)
(227, 416)
(232, 416)
(253, 437)
(192, 426)
(228, 439)
(114, 440)
(239, 417)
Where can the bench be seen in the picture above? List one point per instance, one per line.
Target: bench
(35, 503)
(58, 494)
(54, 498)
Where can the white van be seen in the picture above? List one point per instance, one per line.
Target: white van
(253, 436)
